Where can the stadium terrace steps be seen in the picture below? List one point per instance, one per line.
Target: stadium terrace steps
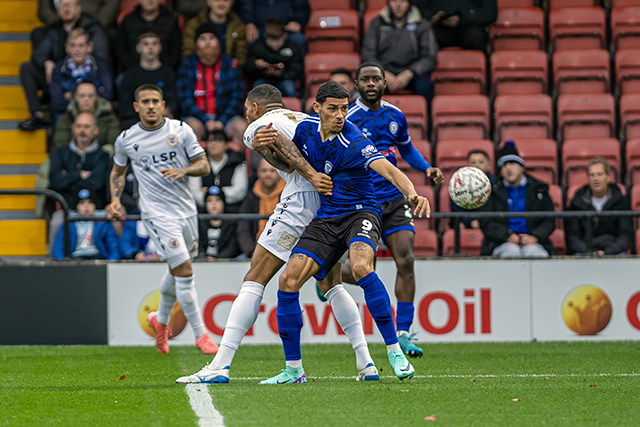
(12, 203)
(23, 238)
(13, 104)
(12, 54)
(18, 16)
(22, 148)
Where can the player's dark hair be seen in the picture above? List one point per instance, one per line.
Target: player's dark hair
(331, 89)
(477, 151)
(265, 94)
(370, 64)
(342, 71)
(145, 34)
(147, 86)
(274, 28)
(217, 135)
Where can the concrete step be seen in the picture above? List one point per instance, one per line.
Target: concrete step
(22, 148)
(9, 124)
(18, 16)
(13, 104)
(23, 238)
(5, 215)
(18, 202)
(19, 169)
(12, 54)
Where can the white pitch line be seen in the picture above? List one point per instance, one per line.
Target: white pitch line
(202, 405)
(633, 374)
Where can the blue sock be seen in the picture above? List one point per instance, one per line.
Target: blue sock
(404, 316)
(289, 316)
(379, 305)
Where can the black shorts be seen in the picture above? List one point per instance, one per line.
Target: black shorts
(327, 239)
(396, 216)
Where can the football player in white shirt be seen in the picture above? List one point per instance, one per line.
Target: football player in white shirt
(163, 153)
(298, 205)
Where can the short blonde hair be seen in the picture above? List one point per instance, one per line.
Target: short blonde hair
(77, 32)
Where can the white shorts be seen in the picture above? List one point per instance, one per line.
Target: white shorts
(288, 221)
(176, 239)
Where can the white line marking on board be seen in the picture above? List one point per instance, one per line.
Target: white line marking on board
(633, 374)
(202, 405)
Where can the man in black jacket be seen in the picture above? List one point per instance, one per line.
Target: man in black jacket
(517, 192)
(404, 45)
(149, 15)
(611, 235)
(36, 74)
(461, 23)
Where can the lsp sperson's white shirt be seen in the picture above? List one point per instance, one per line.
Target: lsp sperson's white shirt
(284, 121)
(171, 145)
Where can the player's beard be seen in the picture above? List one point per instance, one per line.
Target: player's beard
(373, 98)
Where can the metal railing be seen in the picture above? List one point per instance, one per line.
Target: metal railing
(456, 216)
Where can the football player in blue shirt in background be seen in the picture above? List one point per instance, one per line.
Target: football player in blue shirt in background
(348, 219)
(386, 125)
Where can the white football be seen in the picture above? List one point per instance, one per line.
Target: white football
(469, 188)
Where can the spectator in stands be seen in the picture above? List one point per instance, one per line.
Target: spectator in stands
(344, 77)
(76, 67)
(86, 100)
(611, 235)
(36, 74)
(217, 237)
(263, 198)
(149, 16)
(211, 88)
(477, 159)
(191, 8)
(403, 43)
(517, 192)
(228, 172)
(134, 242)
(105, 10)
(461, 23)
(87, 239)
(229, 28)
(295, 13)
(275, 60)
(149, 70)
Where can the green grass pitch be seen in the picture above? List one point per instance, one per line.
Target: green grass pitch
(585, 383)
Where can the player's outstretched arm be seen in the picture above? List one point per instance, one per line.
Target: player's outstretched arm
(198, 167)
(116, 184)
(402, 183)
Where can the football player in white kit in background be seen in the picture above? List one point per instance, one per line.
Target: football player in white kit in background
(298, 205)
(163, 153)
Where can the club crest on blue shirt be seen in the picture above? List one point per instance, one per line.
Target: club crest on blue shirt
(368, 151)
(327, 167)
(393, 128)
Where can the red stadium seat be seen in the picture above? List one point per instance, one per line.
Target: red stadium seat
(630, 115)
(635, 206)
(329, 4)
(460, 73)
(577, 28)
(576, 154)
(558, 241)
(633, 161)
(369, 15)
(622, 3)
(572, 3)
(555, 193)
(628, 71)
(376, 4)
(414, 108)
(518, 29)
(581, 71)
(333, 31)
(470, 242)
(460, 117)
(451, 155)
(625, 27)
(584, 116)
(318, 67)
(425, 243)
(291, 103)
(540, 158)
(502, 4)
(523, 116)
(127, 6)
(428, 192)
(519, 72)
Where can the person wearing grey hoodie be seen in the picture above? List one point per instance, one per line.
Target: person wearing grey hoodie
(402, 42)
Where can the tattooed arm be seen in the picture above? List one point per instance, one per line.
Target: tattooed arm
(274, 160)
(198, 167)
(116, 183)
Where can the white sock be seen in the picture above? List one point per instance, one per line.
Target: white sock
(188, 300)
(167, 297)
(395, 346)
(346, 313)
(243, 314)
(295, 364)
